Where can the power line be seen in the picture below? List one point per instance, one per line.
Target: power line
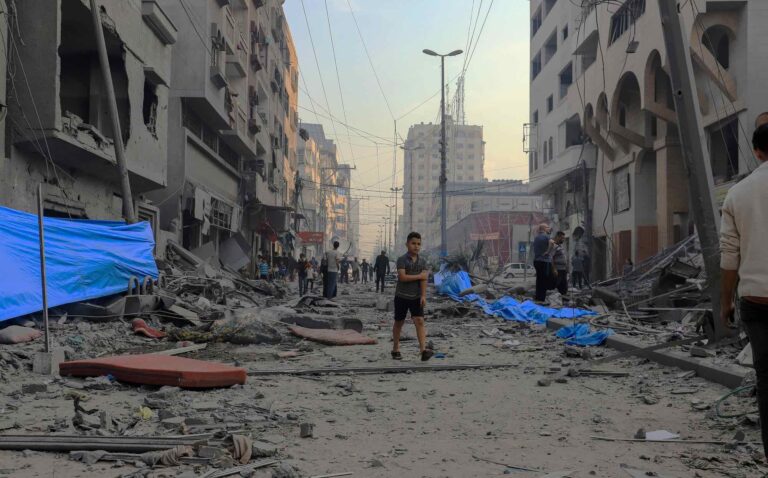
(370, 61)
(194, 26)
(477, 40)
(317, 63)
(338, 80)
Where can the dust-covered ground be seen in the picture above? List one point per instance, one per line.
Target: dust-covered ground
(472, 423)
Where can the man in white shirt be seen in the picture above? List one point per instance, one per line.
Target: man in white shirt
(743, 262)
(332, 274)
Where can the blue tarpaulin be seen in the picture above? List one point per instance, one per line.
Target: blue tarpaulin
(580, 334)
(84, 260)
(452, 283)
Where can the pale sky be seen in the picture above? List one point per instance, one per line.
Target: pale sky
(395, 32)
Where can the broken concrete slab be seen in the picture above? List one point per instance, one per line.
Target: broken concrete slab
(317, 321)
(332, 337)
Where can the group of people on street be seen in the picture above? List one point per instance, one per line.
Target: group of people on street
(551, 263)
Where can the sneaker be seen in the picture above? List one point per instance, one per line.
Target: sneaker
(426, 355)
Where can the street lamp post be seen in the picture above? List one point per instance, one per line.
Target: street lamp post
(443, 176)
(386, 234)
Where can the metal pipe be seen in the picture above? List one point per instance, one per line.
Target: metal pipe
(41, 235)
(443, 178)
(122, 167)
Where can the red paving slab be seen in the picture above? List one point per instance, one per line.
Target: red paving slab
(155, 369)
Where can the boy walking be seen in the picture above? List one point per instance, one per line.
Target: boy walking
(411, 295)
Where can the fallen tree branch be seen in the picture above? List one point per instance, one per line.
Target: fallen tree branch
(382, 370)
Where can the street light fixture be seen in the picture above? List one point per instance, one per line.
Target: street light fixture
(443, 177)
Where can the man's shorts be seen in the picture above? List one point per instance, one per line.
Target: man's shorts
(403, 306)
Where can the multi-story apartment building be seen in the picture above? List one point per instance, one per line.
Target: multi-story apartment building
(232, 112)
(59, 130)
(330, 221)
(639, 200)
(561, 159)
(465, 152)
(311, 195)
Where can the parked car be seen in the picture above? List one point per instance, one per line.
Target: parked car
(518, 270)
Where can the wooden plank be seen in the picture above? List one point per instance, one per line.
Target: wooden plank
(380, 370)
(181, 350)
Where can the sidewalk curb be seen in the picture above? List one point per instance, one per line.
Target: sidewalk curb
(729, 376)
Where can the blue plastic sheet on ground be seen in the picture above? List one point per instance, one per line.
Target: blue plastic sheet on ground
(581, 334)
(452, 283)
(84, 260)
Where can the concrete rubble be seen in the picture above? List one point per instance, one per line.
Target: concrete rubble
(499, 396)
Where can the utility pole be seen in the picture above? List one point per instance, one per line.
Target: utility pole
(296, 194)
(122, 166)
(443, 175)
(694, 149)
(396, 190)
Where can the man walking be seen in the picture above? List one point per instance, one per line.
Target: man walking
(744, 227)
(355, 271)
(332, 271)
(542, 262)
(411, 296)
(344, 270)
(381, 267)
(577, 270)
(302, 267)
(560, 263)
(364, 266)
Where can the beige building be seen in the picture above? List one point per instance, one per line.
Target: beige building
(465, 154)
(599, 73)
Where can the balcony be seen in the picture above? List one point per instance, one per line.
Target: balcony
(236, 64)
(230, 32)
(158, 21)
(236, 136)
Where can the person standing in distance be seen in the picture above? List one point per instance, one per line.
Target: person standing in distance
(332, 271)
(381, 267)
(411, 296)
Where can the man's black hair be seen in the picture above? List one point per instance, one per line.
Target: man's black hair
(560, 233)
(413, 235)
(335, 244)
(760, 139)
(383, 253)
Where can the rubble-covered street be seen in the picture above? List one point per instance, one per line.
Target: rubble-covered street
(529, 415)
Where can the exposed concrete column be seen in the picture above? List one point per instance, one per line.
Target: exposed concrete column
(671, 190)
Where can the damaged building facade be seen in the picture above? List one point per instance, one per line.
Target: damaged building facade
(603, 71)
(57, 128)
(233, 119)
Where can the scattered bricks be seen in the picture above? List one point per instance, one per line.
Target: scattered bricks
(307, 430)
(544, 382)
(561, 380)
(197, 421)
(650, 399)
(210, 452)
(698, 351)
(262, 449)
(578, 352)
(173, 423)
(29, 388)
(165, 414)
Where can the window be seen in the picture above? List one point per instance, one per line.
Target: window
(551, 149)
(471, 146)
(459, 178)
(550, 104)
(536, 117)
(566, 79)
(565, 32)
(536, 66)
(434, 178)
(717, 41)
(471, 167)
(421, 166)
(460, 146)
(470, 178)
(624, 18)
(421, 177)
(536, 22)
(149, 108)
(550, 47)
(459, 166)
(621, 196)
(545, 152)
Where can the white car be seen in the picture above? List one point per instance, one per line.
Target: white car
(518, 270)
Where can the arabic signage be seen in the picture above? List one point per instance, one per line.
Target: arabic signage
(311, 237)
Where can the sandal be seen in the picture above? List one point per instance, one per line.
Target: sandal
(397, 355)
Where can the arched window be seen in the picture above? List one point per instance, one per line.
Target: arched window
(717, 40)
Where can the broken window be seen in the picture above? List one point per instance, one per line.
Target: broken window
(724, 151)
(717, 41)
(149, 108)
(625, 18)
(82, 91)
